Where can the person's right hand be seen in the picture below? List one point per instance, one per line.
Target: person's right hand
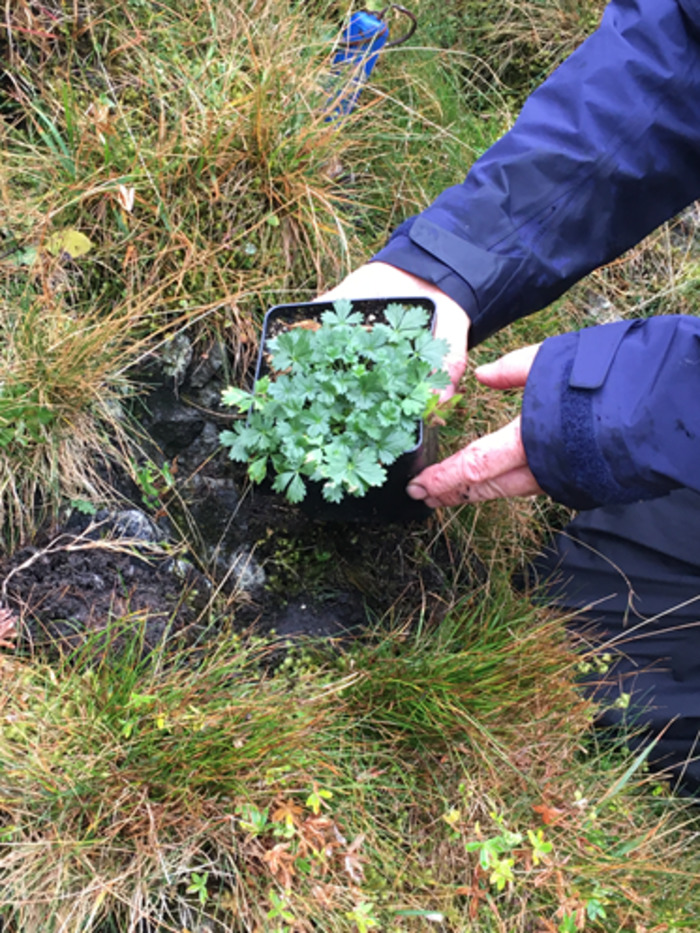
(491, 467)
(380, 280)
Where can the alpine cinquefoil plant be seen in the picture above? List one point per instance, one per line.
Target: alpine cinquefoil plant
(342, 402)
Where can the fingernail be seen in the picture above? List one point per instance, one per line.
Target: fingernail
(484, 368)
(416, 491)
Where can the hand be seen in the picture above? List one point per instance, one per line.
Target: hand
(380, 280)
(492, 467)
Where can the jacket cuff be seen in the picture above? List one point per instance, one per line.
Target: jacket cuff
(403, 253)
(561, 429)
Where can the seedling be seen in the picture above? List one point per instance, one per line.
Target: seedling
(153, 481)
(198, 886)
(342, 401)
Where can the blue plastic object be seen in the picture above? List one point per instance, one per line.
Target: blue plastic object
(357, 53)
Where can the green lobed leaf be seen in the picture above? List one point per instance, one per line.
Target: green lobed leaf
(369, 469)
(370, 342)
(258, 470)
(394, 442)
(342, 313)
(241, 441)
(234, 397)
(333, 491)
(439, 379)
(291, 484)
(409, 322)
(431, 349)
(290, 349)
(296, 490)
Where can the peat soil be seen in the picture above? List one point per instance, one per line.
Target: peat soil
(210, 554)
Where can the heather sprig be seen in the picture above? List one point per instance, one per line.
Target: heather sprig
(342, 403)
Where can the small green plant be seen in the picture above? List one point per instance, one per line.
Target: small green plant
(279, 909)
(363, 918)
(343, 403)
(316, 798)
(251, 819)
(495, 855)
(541, 847)
(568, 924)
(153, 481)
(198, 886)
(83, 506)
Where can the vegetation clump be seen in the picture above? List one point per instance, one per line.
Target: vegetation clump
(344, 401)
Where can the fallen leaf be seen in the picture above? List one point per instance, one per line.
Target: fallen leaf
(100, 113)
(319, 834)
(8, 628)
(323, 894)
(287, 812)
(306, 325)
(549, 815)
(353, 860)
(281, 863)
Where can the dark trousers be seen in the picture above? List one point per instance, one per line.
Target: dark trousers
(634, 571)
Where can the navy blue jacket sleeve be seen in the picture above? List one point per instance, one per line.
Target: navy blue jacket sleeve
(611, 413)
(602, 153)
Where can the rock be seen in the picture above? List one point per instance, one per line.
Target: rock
(175, 356)
(203, 449)
(209, 366)
(245, 574)
(172, 424)
(135, 524)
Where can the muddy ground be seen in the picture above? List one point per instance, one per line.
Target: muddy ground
(95, 580)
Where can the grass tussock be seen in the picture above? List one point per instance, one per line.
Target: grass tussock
(422, 777)
(60, 406)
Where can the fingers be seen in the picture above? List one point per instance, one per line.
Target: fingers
(510, 371)
(513, 484)
(491, 467)
(452, 325)
(484, 459)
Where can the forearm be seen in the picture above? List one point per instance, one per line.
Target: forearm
(604, 151)
(611, 415)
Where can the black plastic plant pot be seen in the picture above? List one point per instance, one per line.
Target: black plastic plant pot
(388, 503)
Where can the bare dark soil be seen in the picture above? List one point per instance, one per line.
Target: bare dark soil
(326, 579)
(93, 584)
(99, 586)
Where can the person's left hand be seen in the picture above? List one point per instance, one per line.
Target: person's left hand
(492, 467)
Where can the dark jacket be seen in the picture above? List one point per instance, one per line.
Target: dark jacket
(601, 154)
